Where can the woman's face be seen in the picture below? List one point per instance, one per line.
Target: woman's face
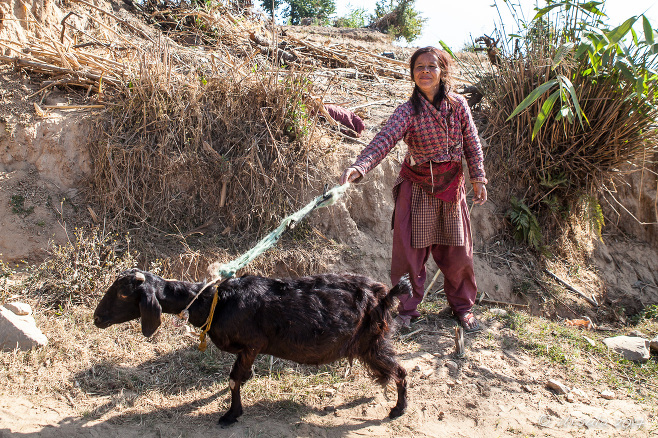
(427, 74)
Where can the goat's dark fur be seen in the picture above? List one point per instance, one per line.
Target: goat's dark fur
(310, 320)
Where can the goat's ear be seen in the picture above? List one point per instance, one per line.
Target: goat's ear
(140, 277)
(150, 311)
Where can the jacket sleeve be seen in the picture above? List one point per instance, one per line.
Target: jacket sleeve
(392, 132)
(472, 145)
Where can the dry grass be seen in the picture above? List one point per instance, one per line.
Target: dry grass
(565, 159)
(78, 271)
(181, 151)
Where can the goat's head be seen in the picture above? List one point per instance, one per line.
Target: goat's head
(132, 295)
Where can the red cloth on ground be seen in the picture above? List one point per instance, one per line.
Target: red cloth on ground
(346, 118)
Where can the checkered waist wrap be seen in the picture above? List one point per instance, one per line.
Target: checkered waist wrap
(435, 221)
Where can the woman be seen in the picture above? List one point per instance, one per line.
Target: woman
(431, 213)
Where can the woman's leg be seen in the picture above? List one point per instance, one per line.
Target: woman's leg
(405, 259)
(456, 263)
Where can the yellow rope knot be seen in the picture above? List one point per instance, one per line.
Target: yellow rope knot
(203, 344)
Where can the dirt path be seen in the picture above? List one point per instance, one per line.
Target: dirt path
(496, 390)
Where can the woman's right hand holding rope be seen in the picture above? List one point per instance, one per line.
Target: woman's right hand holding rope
(350, 175)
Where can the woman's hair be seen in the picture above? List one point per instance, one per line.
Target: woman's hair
(445, 85)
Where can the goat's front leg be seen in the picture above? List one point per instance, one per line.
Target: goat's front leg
(240, 373)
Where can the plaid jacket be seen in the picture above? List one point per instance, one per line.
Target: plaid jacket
(437, 135)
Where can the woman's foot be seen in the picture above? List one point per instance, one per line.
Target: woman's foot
(469, 322)
(404, 321)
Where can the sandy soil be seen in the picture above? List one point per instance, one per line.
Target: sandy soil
(495, 390)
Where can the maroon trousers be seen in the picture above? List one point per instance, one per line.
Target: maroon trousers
(456, 262)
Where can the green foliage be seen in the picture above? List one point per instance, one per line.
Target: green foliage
(596, 51)
(651, 312)
(296, 10)
(593, 215)
(525, 224)
(398, 18)
(17, 203)
(355, 18)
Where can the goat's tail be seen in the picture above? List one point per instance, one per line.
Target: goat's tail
(382, 313)
(403, 287)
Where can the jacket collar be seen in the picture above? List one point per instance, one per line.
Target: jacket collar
(439, 114)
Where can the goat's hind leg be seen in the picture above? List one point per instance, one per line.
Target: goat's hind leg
(381, 361)
(240, 373)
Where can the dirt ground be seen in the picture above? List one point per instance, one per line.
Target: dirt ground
(496, 389)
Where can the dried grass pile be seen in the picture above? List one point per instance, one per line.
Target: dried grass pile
(194, 136)
(184, 149)
(566, 158)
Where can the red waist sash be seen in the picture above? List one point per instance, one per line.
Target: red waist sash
(440, 180)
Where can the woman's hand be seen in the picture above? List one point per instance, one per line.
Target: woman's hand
(350, 174)
(480, 193)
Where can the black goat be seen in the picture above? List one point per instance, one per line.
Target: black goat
(310, 320)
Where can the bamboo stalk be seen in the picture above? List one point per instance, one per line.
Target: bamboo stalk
(590, 300)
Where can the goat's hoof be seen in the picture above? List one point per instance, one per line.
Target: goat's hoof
(226, 421)
(396, 412)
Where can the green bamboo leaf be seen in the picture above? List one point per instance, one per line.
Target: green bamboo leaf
(626, 69)
(545, 111)
(592, 7)
(543, 11)
(574, 99)
(648, 30)
(598, 38)
(595, 60)
(534, 95)
(635, 40)
(619, 32)
(447, 48)
(583, 48)
(562, 51)
(639, 85)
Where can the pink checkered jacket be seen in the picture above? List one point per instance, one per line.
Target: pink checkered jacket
(436, 135)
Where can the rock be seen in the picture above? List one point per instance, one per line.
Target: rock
(558, 387)
(452, 366)
(653, 345)
(20, 309)
(498, 312)
(632, 348)
(570, 397)
(638, 334)
(19, 331)
(608, 395)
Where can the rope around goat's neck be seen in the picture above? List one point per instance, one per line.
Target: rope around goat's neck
(228, 270)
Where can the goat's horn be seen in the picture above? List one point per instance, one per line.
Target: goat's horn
(139, 276)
